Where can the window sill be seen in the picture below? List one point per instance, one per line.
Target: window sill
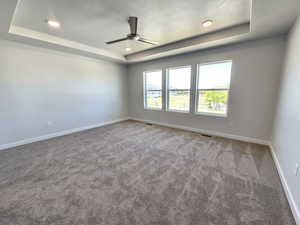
(187, 112)
(211, 114)
(178, 111)
(153, 109)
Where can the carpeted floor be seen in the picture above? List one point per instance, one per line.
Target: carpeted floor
(131, 173)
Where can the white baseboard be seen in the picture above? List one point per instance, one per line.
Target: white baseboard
(208, 132)
(288, 193)
(57, 134)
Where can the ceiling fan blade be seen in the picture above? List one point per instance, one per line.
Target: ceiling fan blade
(118, 40)
(148, 41)
(133, 21)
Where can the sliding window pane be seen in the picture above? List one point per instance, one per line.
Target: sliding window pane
(154, 80)
(154, 99)
(179, 78)
(179, 82)
(153, 89)
(214, 102)
(215, 75)
(213, 87)
(179, 100)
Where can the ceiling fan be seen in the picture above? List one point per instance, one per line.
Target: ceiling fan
(133, 21)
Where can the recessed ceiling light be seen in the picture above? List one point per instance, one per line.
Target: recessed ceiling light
(207, 23)
(53, 23)
(128, 49)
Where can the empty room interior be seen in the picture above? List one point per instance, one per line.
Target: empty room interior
(158, 112)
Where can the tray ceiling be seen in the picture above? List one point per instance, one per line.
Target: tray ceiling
(93, 22)
(87, 25)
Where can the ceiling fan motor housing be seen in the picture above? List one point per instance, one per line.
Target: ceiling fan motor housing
(133, 37)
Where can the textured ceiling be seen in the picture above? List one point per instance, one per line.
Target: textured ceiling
(93, 22)
(88, 24)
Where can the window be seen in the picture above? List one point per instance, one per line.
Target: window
(178, 88)
(153, 89)
(213, 88)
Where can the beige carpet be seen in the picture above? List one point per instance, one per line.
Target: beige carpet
(131, 173)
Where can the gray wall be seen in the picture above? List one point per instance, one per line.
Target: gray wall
(38, 86)
(286, 132)
(254, 84)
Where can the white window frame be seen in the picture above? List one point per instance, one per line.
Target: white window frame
(197, 90)
(168, 90)
(145, 90)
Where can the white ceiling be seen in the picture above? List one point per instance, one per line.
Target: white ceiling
(176, 24)
(93, 22)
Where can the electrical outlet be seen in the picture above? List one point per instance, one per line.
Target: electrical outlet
(297, 172)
